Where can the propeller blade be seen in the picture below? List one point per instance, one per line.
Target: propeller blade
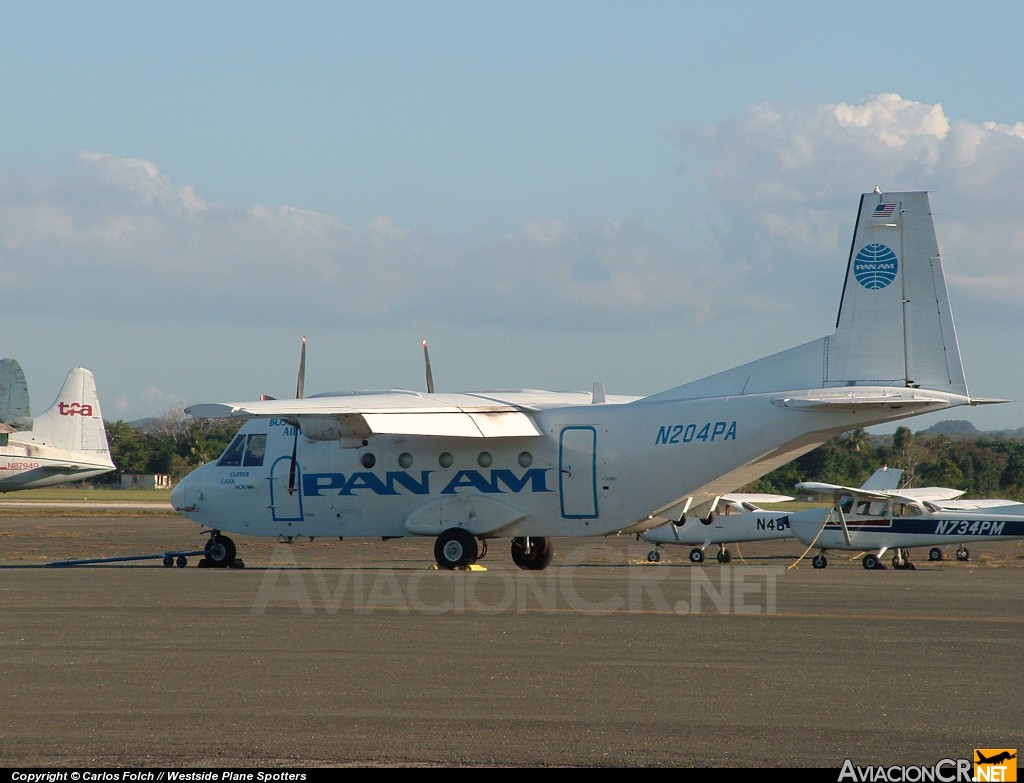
(299, 391)
(426, 360)
(299, 387)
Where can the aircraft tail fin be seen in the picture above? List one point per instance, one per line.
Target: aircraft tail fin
(883, 479)
(895, 325)
(15, 411)
(74, 422)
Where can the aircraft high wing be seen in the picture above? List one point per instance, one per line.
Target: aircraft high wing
(900, 519)
(68, 442)
(532, 465)
(740, 520)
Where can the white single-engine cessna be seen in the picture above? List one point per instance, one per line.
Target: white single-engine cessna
(740, 519)
(531, 465)
(66, 443)
(874, 522)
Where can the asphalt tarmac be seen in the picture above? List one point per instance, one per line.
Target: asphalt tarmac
(358, 653)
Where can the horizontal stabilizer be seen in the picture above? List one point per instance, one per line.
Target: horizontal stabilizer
(867, 397)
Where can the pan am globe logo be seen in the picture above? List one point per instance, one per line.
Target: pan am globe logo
(875, 266)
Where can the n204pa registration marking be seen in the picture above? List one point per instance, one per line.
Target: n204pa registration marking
(670, 434)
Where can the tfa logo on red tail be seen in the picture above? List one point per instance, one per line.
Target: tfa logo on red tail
(74, 409)
(995, 764)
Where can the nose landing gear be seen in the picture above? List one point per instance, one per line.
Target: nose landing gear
(220, 552)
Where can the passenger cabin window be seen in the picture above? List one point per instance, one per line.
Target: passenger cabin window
(245, 451)
(906, 510)
(872, 508)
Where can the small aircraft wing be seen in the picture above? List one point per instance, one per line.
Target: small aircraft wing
(749, 501)
(932, 494)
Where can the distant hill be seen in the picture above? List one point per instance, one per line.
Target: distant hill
(959, 428)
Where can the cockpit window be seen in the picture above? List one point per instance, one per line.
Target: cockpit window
(233, 453)
(245, 450)
(255, 448)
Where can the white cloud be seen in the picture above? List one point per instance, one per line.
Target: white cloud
(773, 213)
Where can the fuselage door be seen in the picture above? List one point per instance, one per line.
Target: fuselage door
(285, 506)
(577, 472)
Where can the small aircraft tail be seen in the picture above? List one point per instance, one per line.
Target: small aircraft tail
(74, 422)
(895, 326)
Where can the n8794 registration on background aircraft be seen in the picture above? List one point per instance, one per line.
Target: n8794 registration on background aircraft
(530, 465)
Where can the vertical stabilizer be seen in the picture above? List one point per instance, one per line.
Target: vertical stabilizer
(15, 411)
(895, 327)
(885, 478)
(74, 422)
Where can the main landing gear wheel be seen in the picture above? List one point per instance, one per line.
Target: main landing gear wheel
(901, 561)
(455, 548)
(533, 553)
(696, 556)
(962, 553)
(934, 554)
(219, 552)
(872, 563)
(819, 561)
(654, 556)
(724, 556)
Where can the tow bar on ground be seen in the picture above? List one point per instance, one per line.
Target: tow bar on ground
(169, 558)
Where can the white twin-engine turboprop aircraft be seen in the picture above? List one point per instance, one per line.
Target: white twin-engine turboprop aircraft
(531, 465)
(67, 442)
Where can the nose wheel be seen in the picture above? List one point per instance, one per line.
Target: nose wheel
(220, 552)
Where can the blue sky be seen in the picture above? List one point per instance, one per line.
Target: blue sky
(552, 193)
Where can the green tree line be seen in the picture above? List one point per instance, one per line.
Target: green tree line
(173, 445)
(983, 466)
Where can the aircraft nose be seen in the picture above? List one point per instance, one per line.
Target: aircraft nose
(178, 495)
